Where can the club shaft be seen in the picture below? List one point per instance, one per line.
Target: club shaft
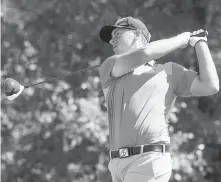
(202, 34)
(57, 78)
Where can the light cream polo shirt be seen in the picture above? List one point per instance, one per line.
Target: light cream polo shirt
(139, 102)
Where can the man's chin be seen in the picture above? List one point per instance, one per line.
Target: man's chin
(116, 52)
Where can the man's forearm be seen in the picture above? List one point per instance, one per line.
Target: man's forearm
(207, 69)
(160, 48)
(129, 61)
(152, 51)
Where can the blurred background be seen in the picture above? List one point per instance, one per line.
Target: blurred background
(58, 132)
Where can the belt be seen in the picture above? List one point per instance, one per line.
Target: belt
(130, 151)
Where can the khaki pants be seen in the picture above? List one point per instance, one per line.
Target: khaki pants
(146, 167)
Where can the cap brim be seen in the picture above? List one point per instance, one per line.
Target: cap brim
(105, 32)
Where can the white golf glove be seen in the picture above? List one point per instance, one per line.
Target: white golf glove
(194, 39)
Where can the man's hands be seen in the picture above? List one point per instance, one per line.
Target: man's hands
(191, 38)
(194, 39)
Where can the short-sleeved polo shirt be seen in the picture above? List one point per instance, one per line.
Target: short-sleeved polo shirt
(139, 102)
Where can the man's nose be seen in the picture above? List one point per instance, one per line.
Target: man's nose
(112, 41)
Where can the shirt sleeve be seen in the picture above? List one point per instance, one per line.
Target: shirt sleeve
(105, 72)
(182, 80)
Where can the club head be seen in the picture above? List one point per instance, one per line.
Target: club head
(12, 88)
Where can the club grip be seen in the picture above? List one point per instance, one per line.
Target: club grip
(202, 34)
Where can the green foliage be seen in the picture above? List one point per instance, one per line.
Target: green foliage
(59, 131)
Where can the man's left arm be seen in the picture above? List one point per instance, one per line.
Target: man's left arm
(207, 82)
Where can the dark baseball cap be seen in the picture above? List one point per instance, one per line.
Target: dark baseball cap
(128, 23)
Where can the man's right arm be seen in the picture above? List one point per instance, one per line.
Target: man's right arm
(127, 62)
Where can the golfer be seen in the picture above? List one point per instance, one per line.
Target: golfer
(140, 95)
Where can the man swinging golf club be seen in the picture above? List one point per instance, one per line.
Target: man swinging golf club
(140, 95)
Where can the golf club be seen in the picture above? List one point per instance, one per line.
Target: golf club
(13, 89)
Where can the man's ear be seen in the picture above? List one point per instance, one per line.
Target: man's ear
(137, 33)
(143, 38)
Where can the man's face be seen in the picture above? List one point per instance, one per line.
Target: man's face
(121, 40)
